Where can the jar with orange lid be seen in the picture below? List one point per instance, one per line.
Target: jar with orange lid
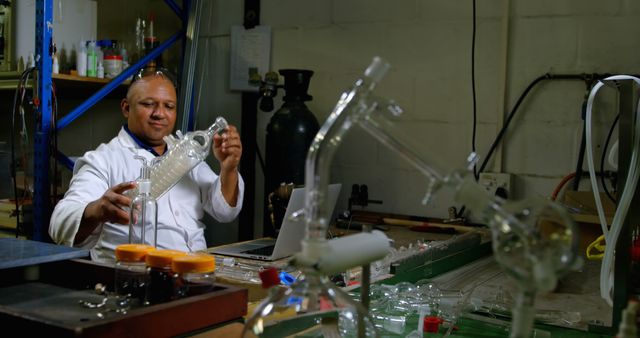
(160, 287)
(130, 272)
(194, 274)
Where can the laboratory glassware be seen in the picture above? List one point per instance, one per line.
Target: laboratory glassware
(160, 287)
(143, 211)
(183, 154)
(194, 274)
(533, 240)
(130, 273)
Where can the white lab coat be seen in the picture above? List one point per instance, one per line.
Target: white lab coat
(179, 210)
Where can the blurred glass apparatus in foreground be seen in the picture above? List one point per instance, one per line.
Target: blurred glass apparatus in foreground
(533, 240)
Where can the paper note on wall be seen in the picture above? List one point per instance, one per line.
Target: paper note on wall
(250, 49)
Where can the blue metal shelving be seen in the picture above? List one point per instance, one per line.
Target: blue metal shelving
(41, 186)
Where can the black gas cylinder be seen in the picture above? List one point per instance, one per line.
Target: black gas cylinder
(289, 135)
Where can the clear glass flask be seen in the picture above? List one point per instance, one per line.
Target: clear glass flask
(143, 212)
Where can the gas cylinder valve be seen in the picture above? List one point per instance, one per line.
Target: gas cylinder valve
(268, 88)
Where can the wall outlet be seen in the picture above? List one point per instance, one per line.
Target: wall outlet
(492, 181)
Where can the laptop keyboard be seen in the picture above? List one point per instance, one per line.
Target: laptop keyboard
(263, 251)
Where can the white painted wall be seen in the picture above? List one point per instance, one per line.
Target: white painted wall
(428, 44)
(73, 20)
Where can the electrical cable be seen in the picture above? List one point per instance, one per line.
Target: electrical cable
(579, 170)
(260, 158)
(604, 154)
(562, 183)
(23, 79)
(13, 154)
(505, 126)
(611, 235)
(502, 131)
(473, 86)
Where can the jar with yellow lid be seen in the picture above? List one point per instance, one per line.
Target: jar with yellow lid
(130, 273)
(194, 274)
(160, 287)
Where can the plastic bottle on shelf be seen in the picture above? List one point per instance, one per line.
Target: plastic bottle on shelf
(100, 71)
(55, 66)
(112, 65)
(125, 58)
(31, 60)
(81, 59)
(92, 65)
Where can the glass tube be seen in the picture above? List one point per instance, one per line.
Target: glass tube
(183, 154)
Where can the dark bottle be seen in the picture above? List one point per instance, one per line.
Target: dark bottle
(289, 135)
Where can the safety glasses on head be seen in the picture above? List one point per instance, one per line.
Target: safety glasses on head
(154, 71)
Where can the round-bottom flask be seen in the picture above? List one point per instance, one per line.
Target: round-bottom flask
(312, 300)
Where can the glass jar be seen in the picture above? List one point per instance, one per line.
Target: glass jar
(194, 274)
(160, 287)
(112, 65)
(130, 273)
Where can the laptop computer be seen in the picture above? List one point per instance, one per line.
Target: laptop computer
(291, 232)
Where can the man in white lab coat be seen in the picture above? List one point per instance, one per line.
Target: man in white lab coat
(93, 213)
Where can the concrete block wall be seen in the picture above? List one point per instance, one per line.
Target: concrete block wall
(428, 44)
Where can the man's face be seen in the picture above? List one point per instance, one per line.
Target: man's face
(150, 109)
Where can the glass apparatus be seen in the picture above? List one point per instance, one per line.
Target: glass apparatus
(183, 154)
(160, 285)
(194, 274)
(533, 240)
(130, 274)
(143, 212)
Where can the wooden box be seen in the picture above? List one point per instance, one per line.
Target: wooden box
(44, 300)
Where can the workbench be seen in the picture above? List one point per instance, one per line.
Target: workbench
(474, 270)
(45, 290)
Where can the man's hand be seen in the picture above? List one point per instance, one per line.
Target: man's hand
(227, 148)
(107, 208)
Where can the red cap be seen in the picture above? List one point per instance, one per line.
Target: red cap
(112, 57)
(269, 277)
(431, 324)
